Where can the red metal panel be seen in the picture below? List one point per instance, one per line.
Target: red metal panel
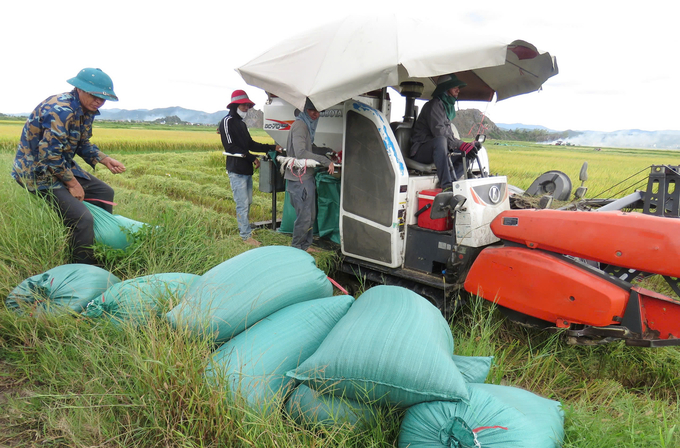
(631, 240)
(544, 286)
(660, 315)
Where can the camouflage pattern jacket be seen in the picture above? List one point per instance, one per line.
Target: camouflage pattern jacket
(55, 132)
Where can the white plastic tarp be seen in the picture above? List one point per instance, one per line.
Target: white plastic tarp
(359, 54)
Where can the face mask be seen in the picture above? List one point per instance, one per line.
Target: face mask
(241, 113)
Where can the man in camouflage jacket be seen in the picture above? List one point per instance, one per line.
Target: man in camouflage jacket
(57, 130)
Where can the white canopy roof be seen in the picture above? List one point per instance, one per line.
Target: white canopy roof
(359, 54)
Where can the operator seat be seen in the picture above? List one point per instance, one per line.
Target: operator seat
(403, 131)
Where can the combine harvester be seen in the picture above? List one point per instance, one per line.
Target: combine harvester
(553, 268)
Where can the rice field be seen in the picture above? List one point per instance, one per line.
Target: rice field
(521, 162)
(110, 137)
(69, 383)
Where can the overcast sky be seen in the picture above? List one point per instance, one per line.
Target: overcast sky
(617, 60)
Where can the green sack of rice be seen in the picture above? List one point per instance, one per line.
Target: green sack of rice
(475, 369)
(310, 408)
(112, 230)
(63, 289)
(393, 347)
(495, 417)
(247, 288)
(137, 299)
(254, 363)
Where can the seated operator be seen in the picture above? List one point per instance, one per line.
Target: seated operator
(433, 141)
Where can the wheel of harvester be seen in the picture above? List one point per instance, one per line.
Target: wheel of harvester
(555, 183)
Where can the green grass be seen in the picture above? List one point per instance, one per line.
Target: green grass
(613, 395)
(72, 382)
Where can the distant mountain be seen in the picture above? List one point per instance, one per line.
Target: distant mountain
(515, 126)
(471, 122)
(254, 118)
(187, 115)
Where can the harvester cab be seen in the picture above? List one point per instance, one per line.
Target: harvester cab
(394, 223)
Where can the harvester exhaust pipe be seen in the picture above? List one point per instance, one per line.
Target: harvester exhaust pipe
(410, 90)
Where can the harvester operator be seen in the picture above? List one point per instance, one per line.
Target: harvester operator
(301, 185)
(238, 143)
(433, 141)
(58, 129)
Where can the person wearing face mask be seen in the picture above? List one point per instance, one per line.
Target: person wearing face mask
(57, 130)
(238, 144)
(300, 180)
(433, 141)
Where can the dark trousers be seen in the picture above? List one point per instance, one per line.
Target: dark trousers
(302, 197)
(77, 217)
(436, 151)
